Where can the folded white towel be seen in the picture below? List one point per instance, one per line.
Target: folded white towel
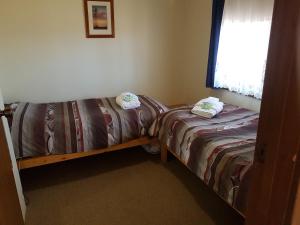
(128, 100)
(209, 99)
(208, 107)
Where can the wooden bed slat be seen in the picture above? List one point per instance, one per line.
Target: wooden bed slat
(45, 160)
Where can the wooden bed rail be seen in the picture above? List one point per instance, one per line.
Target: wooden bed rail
(46, 160)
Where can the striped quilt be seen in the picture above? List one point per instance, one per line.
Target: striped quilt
(219, 151)
(78, 126)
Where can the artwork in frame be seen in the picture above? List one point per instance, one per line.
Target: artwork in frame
(99, 18)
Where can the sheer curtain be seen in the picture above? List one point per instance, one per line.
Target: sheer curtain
(243, 46)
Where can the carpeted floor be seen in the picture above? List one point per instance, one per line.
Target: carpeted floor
(127, 187)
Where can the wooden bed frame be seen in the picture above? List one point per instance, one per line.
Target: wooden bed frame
(46, 160)
(27, 163)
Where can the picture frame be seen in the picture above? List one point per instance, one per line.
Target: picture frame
(99, 18)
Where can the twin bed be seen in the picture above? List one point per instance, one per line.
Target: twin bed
(219, 151)
(54, 132)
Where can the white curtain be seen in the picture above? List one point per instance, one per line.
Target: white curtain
(243, 46)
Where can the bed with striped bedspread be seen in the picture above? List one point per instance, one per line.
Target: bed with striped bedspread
(219, 151)
(78, 126)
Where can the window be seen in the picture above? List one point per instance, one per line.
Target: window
(243, 46)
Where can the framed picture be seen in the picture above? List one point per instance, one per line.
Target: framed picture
(99, 18)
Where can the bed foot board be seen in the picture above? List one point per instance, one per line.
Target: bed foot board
(164, 153)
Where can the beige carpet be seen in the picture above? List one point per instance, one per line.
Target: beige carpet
(123, 188)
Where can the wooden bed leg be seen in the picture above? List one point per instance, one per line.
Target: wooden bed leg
(164, 153)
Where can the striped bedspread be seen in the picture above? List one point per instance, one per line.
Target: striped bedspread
(219, 151)
(77, 126)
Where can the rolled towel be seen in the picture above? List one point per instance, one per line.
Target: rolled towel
(208, 108)
(128, 100)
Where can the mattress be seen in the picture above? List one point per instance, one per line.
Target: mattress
(79, 126)
(219, 151)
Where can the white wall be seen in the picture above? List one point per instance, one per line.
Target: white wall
(45, 56)
(195, 46)
(161, 49)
